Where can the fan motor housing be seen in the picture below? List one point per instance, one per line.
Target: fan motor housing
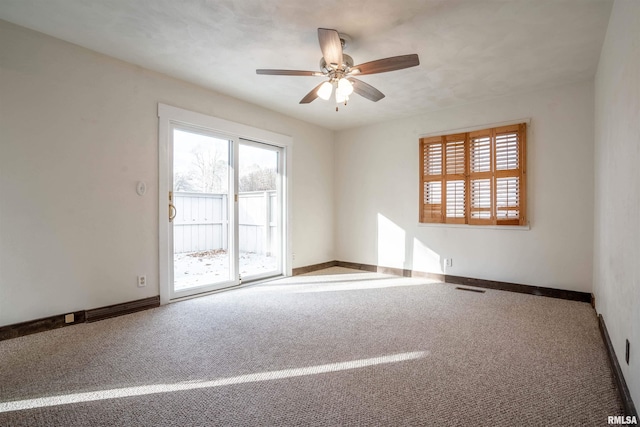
(347, 62)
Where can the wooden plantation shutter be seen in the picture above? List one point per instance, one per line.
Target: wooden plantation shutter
(454, 179)
(431, 180)
(475, 177)
(480, 178)
(509, 174)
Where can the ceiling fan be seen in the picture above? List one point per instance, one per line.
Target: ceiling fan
(339, 68)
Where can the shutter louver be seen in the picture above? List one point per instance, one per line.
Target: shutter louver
(507, 198)
(433, 160)
(480, 154)
(480, 200)
(507, 152)
(455, 201)
(433, 200)
(455, 157)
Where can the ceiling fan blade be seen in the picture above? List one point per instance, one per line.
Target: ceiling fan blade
(311, 95)
(366, 90)
(288, 72)
(386, 64)
(330, 45)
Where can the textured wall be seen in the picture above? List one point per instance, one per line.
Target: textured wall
(79, 129)
(617, 186)
(377, 194)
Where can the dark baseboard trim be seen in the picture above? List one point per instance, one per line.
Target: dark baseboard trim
(39, 325)
(395, 271)
(356, 266)
(353, 266)
(124, 308)
(625, 396)
(375, 268)
(314, 267)
(469, 281)
(58, 321)
(523, 289)
(93, 315)
(433, 276)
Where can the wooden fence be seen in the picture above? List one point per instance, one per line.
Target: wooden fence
(201, 223)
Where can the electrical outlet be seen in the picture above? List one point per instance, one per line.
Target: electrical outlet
(69, 318)
(142, 281)
(626, 351)
(448, 262)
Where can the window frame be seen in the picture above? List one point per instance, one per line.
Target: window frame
(500, 172)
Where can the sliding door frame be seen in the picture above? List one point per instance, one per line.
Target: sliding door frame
(232, 213)
(281, 206)
(169, 116)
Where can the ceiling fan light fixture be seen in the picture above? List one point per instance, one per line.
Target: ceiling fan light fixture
(340, 96)
(345, 87)
(325, 90)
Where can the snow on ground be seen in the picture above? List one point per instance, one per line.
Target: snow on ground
(193, 269)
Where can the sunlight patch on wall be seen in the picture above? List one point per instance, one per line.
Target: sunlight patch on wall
(425, 259)
(391, 243)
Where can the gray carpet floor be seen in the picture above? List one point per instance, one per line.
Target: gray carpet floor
(333, 348)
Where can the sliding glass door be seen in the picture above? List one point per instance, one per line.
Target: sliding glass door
(201, 212)
(225, 211)
(259, 210)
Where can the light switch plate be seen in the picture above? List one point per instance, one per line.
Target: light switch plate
(141, 188)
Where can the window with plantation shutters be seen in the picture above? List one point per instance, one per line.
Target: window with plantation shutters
(475, 177)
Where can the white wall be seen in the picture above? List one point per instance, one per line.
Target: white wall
(377, 195)
(617, 186)
(77, 131)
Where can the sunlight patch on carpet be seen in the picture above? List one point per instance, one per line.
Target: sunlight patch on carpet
(344, 282)
(117, 393)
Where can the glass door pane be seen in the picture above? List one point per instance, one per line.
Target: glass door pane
(202, 235)
(259, 210)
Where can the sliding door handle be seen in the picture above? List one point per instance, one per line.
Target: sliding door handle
(172, 209)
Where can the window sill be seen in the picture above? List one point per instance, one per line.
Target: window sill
(477, 227)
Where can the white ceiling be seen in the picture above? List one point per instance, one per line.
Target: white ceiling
(470, 50)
